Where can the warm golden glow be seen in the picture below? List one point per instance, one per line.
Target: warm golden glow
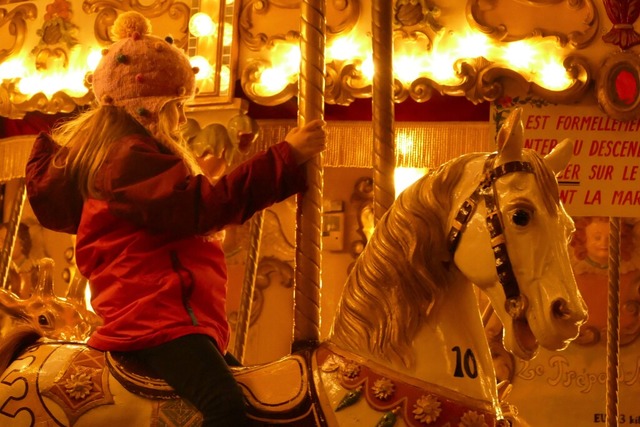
(367, 68)
(554, 76)
(404, 144)
(94, 58)
(205, 71)
(59, 73)
(272, 81)
(225, 76)
(286, 60)
(539, 60)
(521, 54)
(404, 177)
(344, 48)
(473, 45)
(87, 298)
(201, 25)
(227, 34)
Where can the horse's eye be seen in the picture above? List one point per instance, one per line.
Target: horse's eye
(521, 217)
(42, 320)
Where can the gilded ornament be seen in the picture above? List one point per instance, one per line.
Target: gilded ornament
(383, 388)
(427, 409)
(350, 370)
(409, 12)
(332, 364)
(57, 27)
(79, 385)
(472, 419)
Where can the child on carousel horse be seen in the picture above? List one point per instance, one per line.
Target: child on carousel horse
(120, 177)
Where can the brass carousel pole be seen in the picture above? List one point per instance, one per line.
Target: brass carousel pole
(613, 323)
(383, 112)
(248, 286)
(306, 325)
(7, 246)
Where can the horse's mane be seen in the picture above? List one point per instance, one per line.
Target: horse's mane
(406, 265)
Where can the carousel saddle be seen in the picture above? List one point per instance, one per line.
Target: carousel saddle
(137, 378)
(278, 390)
(274, 390)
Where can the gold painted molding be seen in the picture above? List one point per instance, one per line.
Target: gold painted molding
(41, 34)
(421, 24)
(577, 28)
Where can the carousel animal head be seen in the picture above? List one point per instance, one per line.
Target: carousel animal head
(522, 232)
(495, 219)
(58, 318)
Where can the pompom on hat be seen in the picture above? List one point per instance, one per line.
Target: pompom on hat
(141, 72)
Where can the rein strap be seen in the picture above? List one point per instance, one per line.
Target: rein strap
(515, 304)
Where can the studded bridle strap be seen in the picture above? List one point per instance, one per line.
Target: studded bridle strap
(515, 303)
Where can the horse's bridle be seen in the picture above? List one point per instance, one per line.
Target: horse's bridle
(516, 304)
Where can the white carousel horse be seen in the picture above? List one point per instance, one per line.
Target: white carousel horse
(407, 344)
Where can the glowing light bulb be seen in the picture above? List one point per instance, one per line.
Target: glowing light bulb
(407, 68)
(205, 70)
(343, 48)
(227, 34)
(93, 58)
(520, 54)
(473, 45)
(225, 76)
(404, 177)
(272, 81)
(201, 25)
(554, 76)
(367, 68)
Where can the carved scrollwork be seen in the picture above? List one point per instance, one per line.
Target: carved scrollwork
(491, 18)
(14, 104)
(411, 14)
(250, 81)
(341, 15)
(249, 15)
(16, 19)
(489, 81)
(106, 11)
(345, 82)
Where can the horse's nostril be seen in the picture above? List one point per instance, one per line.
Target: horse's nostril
(560, 310)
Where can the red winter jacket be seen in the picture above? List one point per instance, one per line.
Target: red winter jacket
(154, 276)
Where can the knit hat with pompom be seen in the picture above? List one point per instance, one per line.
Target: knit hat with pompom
(141, 72)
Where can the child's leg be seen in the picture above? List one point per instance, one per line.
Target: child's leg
(194, 367)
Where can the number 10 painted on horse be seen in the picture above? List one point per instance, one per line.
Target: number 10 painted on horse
(407, 345)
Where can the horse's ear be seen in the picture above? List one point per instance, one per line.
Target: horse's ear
(44, 286)
(510, 137)
(558, 159)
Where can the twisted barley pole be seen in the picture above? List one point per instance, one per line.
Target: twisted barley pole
(383, 112)
(613, 322)
(306, 325)
(6, 248)
(248, 286)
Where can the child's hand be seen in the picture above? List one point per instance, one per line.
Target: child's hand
(308, 140)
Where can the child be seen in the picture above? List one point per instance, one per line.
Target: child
(144, 215)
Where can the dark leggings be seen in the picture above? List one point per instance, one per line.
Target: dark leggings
(196, 370)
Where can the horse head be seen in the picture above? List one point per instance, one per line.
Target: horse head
(514, 245)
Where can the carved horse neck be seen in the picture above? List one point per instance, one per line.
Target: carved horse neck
(451, 347)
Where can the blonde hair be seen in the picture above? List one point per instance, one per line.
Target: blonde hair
(91, 135)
